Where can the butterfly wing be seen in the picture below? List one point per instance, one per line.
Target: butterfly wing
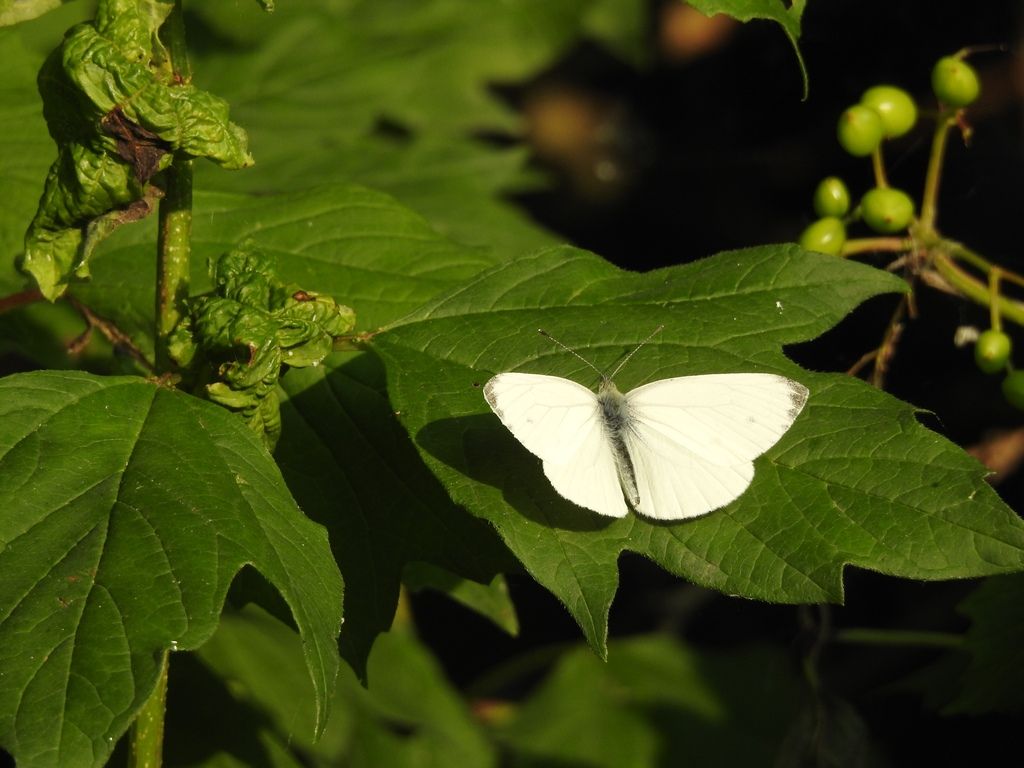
(559, 421)
(692, 440)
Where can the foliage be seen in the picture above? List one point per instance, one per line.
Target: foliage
(305, 344)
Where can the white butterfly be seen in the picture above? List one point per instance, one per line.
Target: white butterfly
(676, 448)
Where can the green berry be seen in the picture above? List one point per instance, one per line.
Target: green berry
(955, 82)
(826, 235)
(992, 350)
(894, 105)
(1013, 389)
(887, 210)
(831, 198)
(860, 130)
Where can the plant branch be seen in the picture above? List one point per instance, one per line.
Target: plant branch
(118, 338)
(173, 255)
(975, 289)
(877, 245)
(15, 300)
(175, 233)
(887, 348)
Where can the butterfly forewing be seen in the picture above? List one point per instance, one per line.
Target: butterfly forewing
(693, 439)
(559, 421)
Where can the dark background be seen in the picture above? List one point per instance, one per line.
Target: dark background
(696, 154)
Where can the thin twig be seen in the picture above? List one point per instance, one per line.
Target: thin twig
(891, 339)
(118, 338)
(866, 358)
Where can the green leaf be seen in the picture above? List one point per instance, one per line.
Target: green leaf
(774, 10)
(458, 185)
(657, 702)
(127, 509)
(409, 716)
(26, 151)
(356, 245)
(352, 468)
(489, 600)
(325, 77)
(116, 112)
(856, 481)
(994, 678)
(15, 11)
(345, 458)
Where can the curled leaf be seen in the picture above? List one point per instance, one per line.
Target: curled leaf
(237, 338)
(118, 115)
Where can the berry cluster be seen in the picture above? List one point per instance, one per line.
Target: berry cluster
(888, 112)
(884, 112)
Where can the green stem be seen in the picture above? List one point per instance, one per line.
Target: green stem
(877, 244)
(961, 252)
(147, 733)
(173, 255)
(898, 637)
(173, 35)
(930, 197)
(995, 320)
(175, 233)
(878, 164)
(172, 278)
(976, 290)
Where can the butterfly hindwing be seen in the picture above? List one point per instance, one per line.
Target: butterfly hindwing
(559, 421)
(692, 440)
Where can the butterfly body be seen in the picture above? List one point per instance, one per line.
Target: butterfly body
(675, 448)
(616, 419)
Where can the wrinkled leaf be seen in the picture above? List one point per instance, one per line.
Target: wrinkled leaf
(774, 10)
(127, 509)
(239, 337)
(117, 112)
(856, 481)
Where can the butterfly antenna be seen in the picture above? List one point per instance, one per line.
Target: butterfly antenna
(571, 351)
(600, 373)
(626, 359)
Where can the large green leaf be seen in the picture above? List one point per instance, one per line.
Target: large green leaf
(382, 506)
(127, 509)
(314, 83)
(458, 185)
(856, 481)
(353, 468)
(351, 243)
